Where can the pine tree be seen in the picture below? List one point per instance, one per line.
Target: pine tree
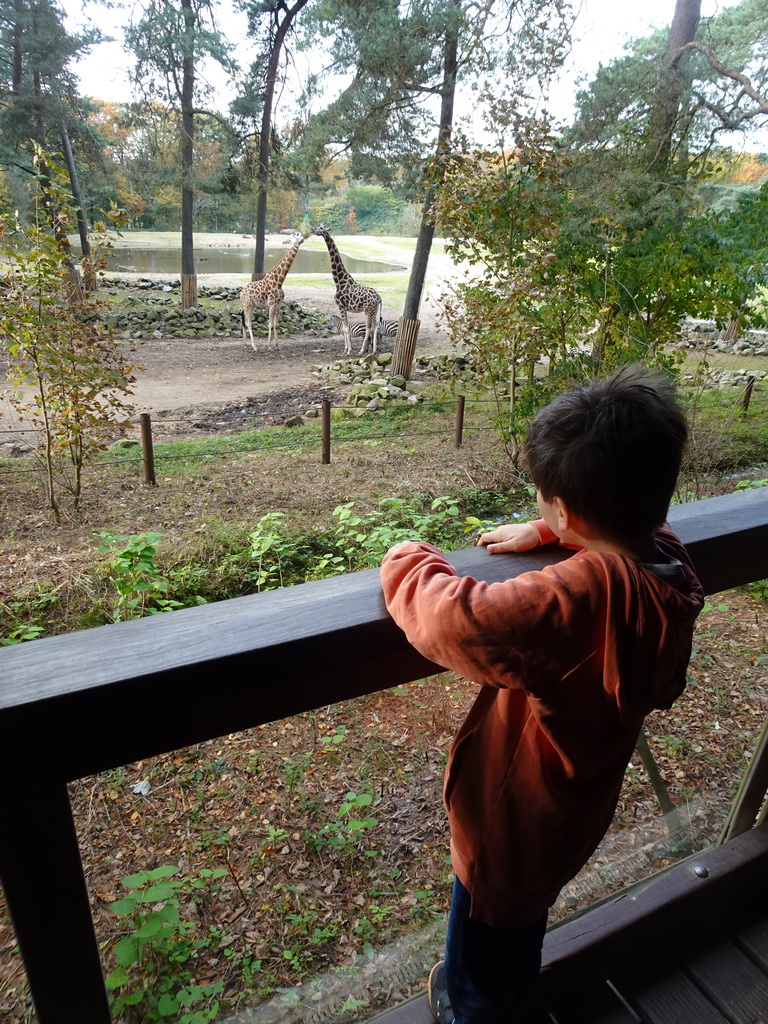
(38, 103)
(402, 55)
(258, 93)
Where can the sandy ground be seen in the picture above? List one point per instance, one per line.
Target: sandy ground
(177, 373)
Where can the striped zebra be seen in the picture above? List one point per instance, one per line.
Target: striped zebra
(387, 328)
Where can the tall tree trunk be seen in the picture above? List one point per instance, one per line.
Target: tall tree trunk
(89, 275)
(407, 332)
(188, 277)
(72, 274)
(18, 34)
(265, 139)
(674, 82)
(427, 229)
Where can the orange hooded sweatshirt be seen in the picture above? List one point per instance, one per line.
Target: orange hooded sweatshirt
(569, 660)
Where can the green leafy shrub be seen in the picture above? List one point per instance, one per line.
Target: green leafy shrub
(70, 376)
(140, 587)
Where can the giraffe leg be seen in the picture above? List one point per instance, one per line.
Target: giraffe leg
(246, 315)
(372, 318)
(367, 334)
(274, 319)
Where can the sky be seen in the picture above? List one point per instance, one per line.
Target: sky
(602, 28)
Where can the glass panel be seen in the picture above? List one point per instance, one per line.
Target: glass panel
(701, 748)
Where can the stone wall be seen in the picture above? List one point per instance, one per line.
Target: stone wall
(158, 314)
(704, 334)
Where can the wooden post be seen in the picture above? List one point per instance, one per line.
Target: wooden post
(747, 393)
(326, 431)
(147, 449)
(53, 924)
(405, 347)
(188, 291)
(459, 421)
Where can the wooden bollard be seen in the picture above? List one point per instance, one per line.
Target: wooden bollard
(459, 421)
(325, 421)
(147, 449)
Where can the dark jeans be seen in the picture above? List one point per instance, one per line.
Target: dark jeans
(491, 972)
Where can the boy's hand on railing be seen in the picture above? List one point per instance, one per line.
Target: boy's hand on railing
(510, 537)
(396, 548)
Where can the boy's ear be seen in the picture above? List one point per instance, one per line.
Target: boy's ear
(564, 515)
(570, 522)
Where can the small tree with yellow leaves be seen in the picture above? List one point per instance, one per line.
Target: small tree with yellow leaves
(71, 377)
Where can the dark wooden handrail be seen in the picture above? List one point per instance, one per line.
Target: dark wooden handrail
(85, 702)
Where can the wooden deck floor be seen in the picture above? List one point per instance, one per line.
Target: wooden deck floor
(717, 975)
(691, 947)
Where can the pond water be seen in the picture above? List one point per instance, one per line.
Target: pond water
(233, 261)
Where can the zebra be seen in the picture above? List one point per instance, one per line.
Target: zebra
(387, 329)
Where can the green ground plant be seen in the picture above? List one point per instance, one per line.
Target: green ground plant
(154, 979)
(140, 588)
(345, 836)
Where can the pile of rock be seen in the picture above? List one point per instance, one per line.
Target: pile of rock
(716, 378)
(705, 334)
(373, 386)
(118, 283)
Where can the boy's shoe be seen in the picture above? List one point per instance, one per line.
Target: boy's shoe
(437, 992)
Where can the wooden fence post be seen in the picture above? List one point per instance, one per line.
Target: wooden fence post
(326, 431)
(459, 421)
(747, 393)
(147, 449)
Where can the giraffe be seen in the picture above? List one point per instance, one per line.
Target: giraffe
(352, 297)
(268, 292)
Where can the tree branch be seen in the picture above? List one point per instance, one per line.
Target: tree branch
(746, 85)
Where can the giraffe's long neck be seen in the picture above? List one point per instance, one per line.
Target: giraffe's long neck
(278, 272)
(340, 273)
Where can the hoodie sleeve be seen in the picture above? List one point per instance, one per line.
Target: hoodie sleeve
(592, 613)
(493, 633)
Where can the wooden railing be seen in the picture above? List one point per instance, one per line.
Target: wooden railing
(86, 702)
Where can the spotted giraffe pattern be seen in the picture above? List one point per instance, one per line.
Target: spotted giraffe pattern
(352, 297)
(268, 293)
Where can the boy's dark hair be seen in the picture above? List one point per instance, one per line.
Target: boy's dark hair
(611, 451)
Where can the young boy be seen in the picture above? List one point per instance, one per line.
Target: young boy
(569, 660)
